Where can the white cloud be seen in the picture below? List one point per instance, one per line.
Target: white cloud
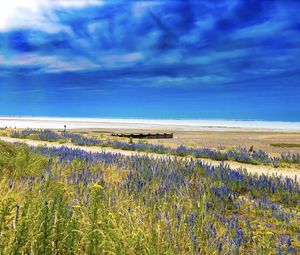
(172, 82)
(216, 56)
(59, 65)
(120, 59)
(209, 80)
(50, 64)
(16, 14)
(262, 30)
(140, 7)
(72, 3)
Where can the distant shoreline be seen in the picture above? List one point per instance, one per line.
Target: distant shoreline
(152, 124)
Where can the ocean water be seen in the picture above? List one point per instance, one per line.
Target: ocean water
(118, 123)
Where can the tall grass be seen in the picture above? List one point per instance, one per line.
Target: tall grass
(85, 203)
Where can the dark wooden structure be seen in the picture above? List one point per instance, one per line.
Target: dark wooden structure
(146, 136)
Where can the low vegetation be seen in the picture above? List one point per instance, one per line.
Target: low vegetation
(234, 154)
(286, 145)
(75, 202)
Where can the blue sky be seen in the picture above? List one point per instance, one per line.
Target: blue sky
(151, 59)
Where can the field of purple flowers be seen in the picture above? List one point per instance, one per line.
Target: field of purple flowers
(237, 154)
(68, 201)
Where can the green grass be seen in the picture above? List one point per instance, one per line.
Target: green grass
(286, 145)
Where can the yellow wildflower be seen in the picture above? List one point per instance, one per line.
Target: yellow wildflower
(97, 186)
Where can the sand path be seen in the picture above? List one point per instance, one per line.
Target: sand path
(254, 169)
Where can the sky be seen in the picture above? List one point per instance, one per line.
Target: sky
(177, 59)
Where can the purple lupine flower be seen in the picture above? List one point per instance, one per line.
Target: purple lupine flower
(17, 213)
(220, 246)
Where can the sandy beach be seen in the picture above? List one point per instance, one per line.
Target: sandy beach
(195, 133)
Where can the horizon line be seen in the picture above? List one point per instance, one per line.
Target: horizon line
(144, 118)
